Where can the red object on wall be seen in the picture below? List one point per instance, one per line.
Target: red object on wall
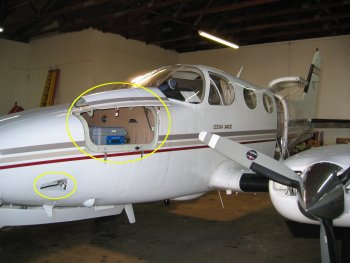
(16, 108)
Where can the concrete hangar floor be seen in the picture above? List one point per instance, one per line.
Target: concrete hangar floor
(248, 229)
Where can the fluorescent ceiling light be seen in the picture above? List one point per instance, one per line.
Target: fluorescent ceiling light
(216, 39)
(1, 29)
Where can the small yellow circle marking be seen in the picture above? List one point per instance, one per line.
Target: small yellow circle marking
(55, 198)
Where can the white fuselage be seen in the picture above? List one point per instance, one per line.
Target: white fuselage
(36, 142)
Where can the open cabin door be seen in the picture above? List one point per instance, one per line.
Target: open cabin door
(293, 120)
(282, 127)
(296, 99)
(120, 120)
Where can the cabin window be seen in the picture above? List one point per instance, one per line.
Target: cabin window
(179, 83)
(118, 129)
(214, 95)
(268, 103)
(221, 91)
(250, 98)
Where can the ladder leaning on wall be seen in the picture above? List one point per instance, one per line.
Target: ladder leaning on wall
(48, 97)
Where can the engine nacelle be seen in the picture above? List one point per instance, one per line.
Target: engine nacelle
(234, 177)
(285, 200)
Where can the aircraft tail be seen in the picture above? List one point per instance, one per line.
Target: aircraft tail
(308, 103)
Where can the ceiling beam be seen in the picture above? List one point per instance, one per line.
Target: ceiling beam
(288, 11)
(62, 11)
(254, 38)
(180, 36)
(18, 5)
(297, 32)
(266, 38)
(128, 12)
(228, 7)
(290, 23)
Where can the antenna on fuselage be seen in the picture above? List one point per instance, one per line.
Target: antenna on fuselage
(239, 72)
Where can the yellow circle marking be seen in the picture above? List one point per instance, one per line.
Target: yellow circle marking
(111, 161)
(55, 198)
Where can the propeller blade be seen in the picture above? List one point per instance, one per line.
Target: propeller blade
(345, 176)
(252, 159)
(329, 250)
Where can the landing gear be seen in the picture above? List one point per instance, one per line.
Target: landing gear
(345, 257)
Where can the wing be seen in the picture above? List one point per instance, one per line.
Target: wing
(231, 176)
(251, 159)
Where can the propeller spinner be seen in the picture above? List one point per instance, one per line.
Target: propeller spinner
(320, 190)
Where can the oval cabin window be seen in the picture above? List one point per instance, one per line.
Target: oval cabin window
(250, 98)
(268, 103)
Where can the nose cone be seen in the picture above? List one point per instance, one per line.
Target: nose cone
(323, 194)
(31, 128)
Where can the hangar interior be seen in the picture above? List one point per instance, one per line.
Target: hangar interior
(89, 55)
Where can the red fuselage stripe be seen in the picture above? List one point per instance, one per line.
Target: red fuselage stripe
(80, 158)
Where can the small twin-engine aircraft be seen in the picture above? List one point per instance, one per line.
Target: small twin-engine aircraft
(111, 149)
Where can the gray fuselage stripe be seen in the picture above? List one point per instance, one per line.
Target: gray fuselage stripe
(43, 147)
(92, 103)
(223, 134)
(175, 137)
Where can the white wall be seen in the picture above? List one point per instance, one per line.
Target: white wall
(13, 74)
(72, 54)
(263, 63)
(85, 58)
(115, 58)
(331, 134)
(89, 57)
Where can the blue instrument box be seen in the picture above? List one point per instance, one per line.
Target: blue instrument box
(108, 135)
(115, 140)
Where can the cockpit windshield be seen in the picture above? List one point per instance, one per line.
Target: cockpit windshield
(181, 83)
